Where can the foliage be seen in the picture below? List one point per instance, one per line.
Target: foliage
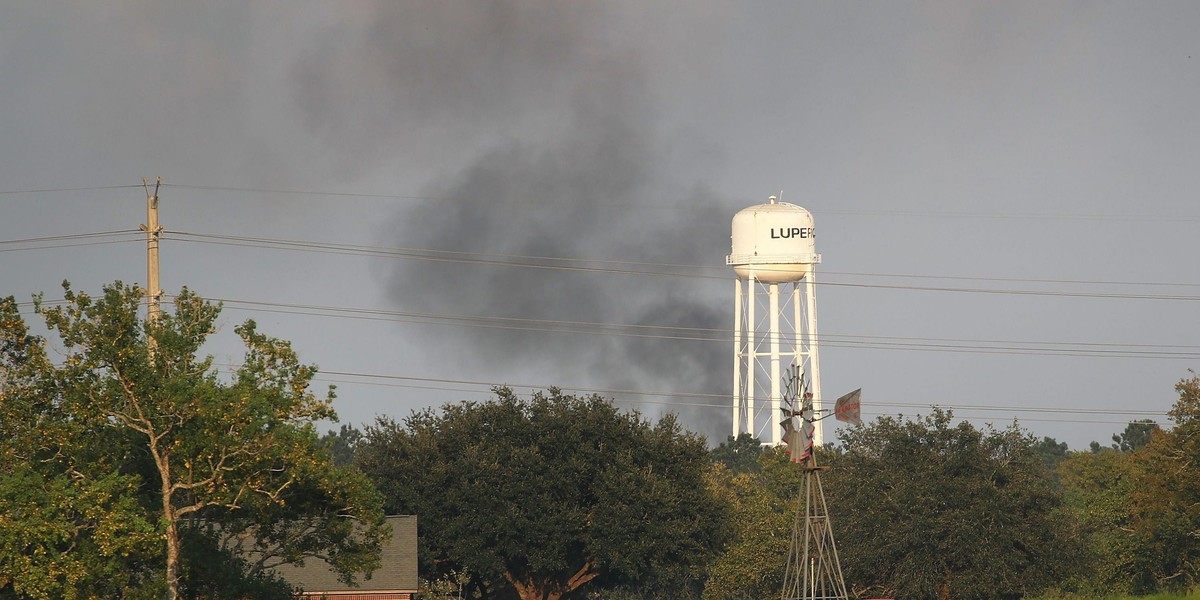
(1097, 488)
(62, 534)
(750, 565)
(547, 494)
(61, 538)
(1136, 435)
(450, 586)
(1052, 453)
(206, 556)
(924, 509)
(1165, 502)
(132, 436)
(763, 505)
(1193, 595)
(739, 454)
(1136, 504)
(341, 443)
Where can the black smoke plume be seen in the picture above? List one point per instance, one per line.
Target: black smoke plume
(561, 153)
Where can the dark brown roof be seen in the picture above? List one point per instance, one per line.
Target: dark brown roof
(397, 570)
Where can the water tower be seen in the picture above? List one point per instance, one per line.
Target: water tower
(773, 246)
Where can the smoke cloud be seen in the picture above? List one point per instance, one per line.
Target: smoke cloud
(549, 143)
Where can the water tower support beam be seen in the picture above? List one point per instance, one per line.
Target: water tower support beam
(776, 388)
(739, 403)
(750, 357)
(810, 344)
(797, 343)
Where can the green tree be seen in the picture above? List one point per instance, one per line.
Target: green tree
(763, 506)
(925, 509)
(548, 494)
(1165, 499)
(133, 421)
(67, 538)
(341, 443)
(1098, 487)
(740, 454)
(1052, 453)
(1135, 436)
(63, 533)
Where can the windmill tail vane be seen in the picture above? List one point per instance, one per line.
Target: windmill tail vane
(848, 408)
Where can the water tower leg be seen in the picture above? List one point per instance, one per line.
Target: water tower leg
(751, 356)
(739, 404)
(814, 356)
(776, 387)
(798, 352)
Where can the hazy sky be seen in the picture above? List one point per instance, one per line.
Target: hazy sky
(1005, 193)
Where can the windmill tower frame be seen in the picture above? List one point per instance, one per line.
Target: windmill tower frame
(813, 570)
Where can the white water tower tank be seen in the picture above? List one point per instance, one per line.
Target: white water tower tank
(773, 242)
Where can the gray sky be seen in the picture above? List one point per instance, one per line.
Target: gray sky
(955, 156)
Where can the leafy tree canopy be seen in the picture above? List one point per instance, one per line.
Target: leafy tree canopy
(1097, 487)
(549, 494)
(341, 443)
(1135, 436)
(925, 509)
(1165, 499)
(130, 441)
(739, 454)
(763, 506)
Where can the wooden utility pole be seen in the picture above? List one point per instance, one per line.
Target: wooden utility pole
(153, 232)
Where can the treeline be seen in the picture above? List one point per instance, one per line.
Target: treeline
(927, 508)
(539, 498)
(131, 468)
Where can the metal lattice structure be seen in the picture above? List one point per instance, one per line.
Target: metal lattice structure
(814, 571)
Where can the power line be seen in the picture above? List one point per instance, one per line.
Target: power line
(674, 398)
(631, 267)
(218, 188)
(658, 206)
(660, 269)
(491, 259)
(707, 400)
(1012, 216)
(725, 407)
(76, 189)
(1052, 293)
(73, 236)
(682, 205)
(678, 333)
(57, 241)
(1014, 279)
(57, 246)
(1011, 347)
(24, 308)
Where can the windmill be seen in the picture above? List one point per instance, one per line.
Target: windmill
(813, 571)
